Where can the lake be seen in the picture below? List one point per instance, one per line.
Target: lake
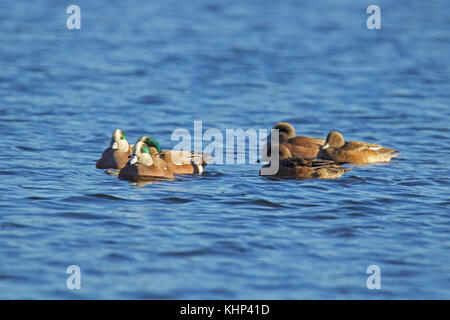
(150, 67)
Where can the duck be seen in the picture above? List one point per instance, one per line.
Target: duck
(180, 162)
(117, 154)
(299, 146)
(354, 152)
(145, 164)
(301, 169)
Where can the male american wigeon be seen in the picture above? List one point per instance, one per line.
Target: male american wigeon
(180, 162)
(117, 154)
(299, 146)
(298, 168)
(145, 164)
(354, 152)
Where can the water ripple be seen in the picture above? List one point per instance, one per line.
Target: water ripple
(229, 233)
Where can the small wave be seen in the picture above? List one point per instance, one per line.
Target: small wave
(177, 200)
(117, 256)
(35, 198)
(12, 225)
(24, 148)
(105, 196)
(81, 215)
(151, 99)
(342, 232)
(191, 253)
(6, 173)
(260, 202)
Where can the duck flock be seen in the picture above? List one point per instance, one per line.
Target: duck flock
(299, 157)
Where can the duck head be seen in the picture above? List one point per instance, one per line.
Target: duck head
(142, 154)
(286, 130)
(334, 140)
(151, 142)
(119, 141)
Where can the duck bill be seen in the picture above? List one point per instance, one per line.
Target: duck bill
(114, 146)
(133, 160)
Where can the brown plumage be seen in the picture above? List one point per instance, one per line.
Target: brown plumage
(145, 164)
(299, 146)
(354, 152)
(112, 159)
(298, 168)
(185, 162)
(138, 172)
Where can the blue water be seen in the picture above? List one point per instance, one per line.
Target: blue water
(149, 67)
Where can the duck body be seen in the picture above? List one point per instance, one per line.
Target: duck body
(301, 169)
(113, 159)
(139, 172)
(185, 162)
(354, 152)
(299, 146)
(180, 162)
(304, 147)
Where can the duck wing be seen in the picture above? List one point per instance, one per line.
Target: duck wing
(358, 146)
(180, 157)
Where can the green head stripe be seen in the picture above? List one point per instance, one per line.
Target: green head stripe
(145, 149)
(151, 142)
(124, 137)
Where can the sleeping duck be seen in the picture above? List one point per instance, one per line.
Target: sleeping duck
(354, 152)
(299, 168)
(117, 154)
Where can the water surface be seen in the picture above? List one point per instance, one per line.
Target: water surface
(151, 67)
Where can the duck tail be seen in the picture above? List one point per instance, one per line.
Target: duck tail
(395, 153)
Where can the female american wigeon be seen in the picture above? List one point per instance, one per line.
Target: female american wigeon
(298, 168)
(180, 162)
(299, 146)
(354, 152)
(117, 154)
(145, 164)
